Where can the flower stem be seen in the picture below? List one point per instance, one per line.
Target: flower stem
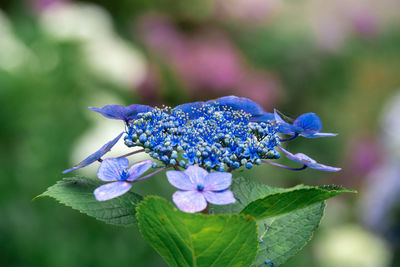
(149, 175)
(291, 138)
(285, 167)
(131, 153)
(206, 210)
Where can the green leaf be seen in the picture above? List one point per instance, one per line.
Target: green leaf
(185, 239)
(290, 200)
(283, 235)
(77, 193)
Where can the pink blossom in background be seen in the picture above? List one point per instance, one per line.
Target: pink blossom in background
(210, 61)
(364, 23)
(364, 155)
(160, 35)
(149, 88)
(206, 62)
(260, 86)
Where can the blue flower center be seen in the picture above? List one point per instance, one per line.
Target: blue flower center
(200, 187)
(124, 175)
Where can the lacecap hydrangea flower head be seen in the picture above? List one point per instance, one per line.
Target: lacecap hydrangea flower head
(202, 142)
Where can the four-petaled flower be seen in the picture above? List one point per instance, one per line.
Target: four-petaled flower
(96, 155)
(309, 162)
(116, 170)
(199, 187)
(308, 125)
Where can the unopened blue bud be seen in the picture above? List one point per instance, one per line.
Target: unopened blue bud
(221, 169)
(143, 138)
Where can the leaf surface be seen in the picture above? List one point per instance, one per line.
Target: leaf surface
(286, 228)
(185, 239)
(77, 193)
(291, 199)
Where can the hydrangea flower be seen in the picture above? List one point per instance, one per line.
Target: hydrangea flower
(115, 170)
(214, 134)
(309, 162)
(228, 132)
(199, 187)
(119, 112)
(308, 125)
(96, 155)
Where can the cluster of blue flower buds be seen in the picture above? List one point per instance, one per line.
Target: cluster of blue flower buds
(210, 135)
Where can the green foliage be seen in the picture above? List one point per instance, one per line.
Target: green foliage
(290, 200)
(286, 219)
(185, 239)
(77, 193)
(284, 236)
(287, 229)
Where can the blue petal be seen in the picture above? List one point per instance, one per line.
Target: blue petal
(116, 112)
(119, 112)
(136, 109)
(189, 201)
(317, 135)
(263, 118)
(138, 169)
(309, 122)
(111, 169)
(284, 127)
(111, 190)
(241, 103)
(96, 155)
(219, 198)
(192, 109)
(196, 174)
(217, 181)
(322, 167)
(309, 162)
(181, 180)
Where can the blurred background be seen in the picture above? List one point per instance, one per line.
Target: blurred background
(339, 59)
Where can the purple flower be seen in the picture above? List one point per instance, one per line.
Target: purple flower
(96, 155)
(309, 162)
(116, 170)
(119, 112)
(199, 187)
(308, 125)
